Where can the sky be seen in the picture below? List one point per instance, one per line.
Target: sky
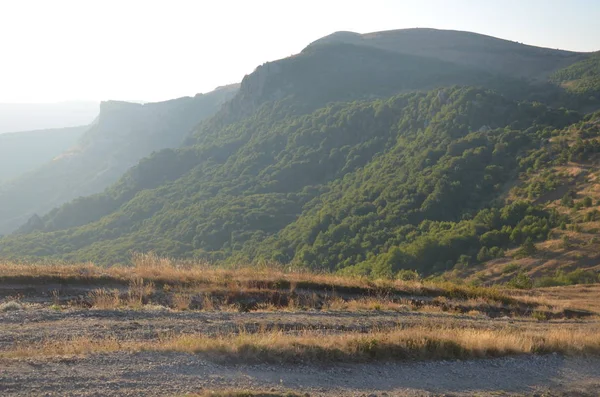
(147, 50)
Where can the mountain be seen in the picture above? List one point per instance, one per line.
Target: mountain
(21, 152)
(322, 190)
(38, 116)
(465, 48)
(345, 157)
(122, 134)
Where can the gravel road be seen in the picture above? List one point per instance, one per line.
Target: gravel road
(167, 374)
(172, 374)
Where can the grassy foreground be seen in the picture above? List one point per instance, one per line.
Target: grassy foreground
(186, 285)
(164, 271)
(174, 287)
(311, 346)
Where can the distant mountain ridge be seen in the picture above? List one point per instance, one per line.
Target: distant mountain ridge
(122, 134)
(464, 48)
(21, 152)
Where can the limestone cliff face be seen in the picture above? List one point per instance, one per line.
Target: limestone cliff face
(255, 89)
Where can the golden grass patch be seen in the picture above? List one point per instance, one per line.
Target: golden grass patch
(149, 271)
(420, 342)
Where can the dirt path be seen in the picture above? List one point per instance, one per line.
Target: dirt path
(171, 374)
(160, 374)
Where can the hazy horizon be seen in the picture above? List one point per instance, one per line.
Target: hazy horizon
(156, 50)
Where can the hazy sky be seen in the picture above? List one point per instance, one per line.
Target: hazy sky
(156, 50)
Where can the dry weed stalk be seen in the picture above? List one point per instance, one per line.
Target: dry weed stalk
(104, 299)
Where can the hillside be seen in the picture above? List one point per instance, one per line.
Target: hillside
(347, 157)
(562, 177)
(122, 134)
(21, 152)
(581, 77)
(465, 48)
(338, 72)
(325, 190)
(556, 77)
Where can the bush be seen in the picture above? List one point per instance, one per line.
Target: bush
(521, 281)
(540, 316)
(527, 249)
(407, 275)
(10, 306)
(567, 199)
(591, 216)
(510, 267)
(561, 278)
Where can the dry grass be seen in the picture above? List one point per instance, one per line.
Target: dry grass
(569, 297)
(104, 299)
(420, 342)
(156, 271)
(181, 301)
(184, 285)
(367, 304)
(139, 291)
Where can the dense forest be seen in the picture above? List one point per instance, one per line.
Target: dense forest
(582, 77)
(348, 158)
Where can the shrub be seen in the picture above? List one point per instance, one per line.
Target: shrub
(540, 316)
(521, 281)
(527, 249)
(408, 275)
(10, 306)
(591, 216)
(567, 199)
(510, 267)
(560, 278)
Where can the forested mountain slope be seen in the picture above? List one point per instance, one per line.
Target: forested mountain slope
(343, 157)
(325, 190)
(561, 176)
(582, 77)
(21, 152)
(122, 134)
(285, 88)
